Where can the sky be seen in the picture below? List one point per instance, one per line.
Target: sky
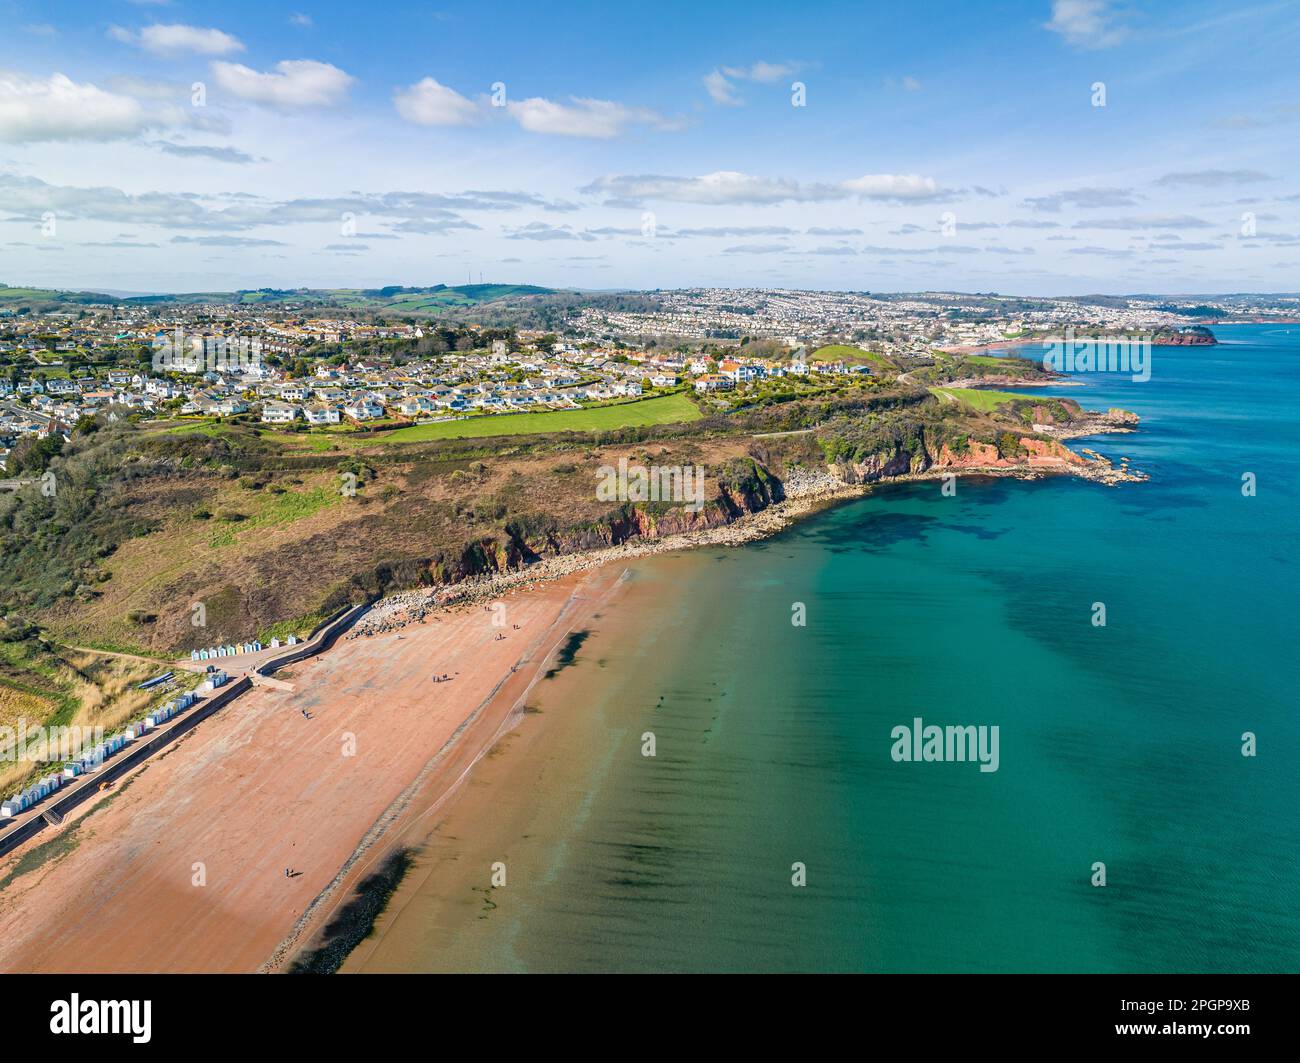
(1047, 147)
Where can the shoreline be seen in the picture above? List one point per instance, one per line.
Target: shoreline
(806, 498)
(262, 800)
(407, 608)
(438, 783)
(232, 801)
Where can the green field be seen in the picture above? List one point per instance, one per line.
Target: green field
(668, 409)
(841, 352)
(207, 427)
(979, 399)
(282, 509)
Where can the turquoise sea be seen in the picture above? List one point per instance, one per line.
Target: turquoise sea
(1119, 744)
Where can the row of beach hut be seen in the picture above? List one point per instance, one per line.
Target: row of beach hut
(24, 800)
(93, 758)
(225, 651)
(234, 649)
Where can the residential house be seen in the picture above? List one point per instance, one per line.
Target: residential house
(320, 413)
(364, 409)
(416, 406)
(279, 412)
(714, 382)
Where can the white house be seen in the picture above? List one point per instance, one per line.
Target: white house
(279, 413)
(319, 413)
(364, 410)
(415, 405)
(714, 382)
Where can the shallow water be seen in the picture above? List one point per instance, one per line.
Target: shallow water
(1119, 744)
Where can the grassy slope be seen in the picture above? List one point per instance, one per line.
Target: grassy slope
(978, 398)
(58, 686)
(667, 409)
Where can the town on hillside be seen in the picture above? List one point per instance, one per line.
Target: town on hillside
(306, 366)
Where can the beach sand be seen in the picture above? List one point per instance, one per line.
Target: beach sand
(260, 788)
(526, 805)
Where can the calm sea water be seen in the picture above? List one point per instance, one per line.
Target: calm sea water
(1119, 744)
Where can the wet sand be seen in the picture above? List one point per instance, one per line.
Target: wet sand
(182, 868)
(527, 801)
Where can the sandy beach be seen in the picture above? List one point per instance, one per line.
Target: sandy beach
(321, 772)
(524, 802)
(183, 867)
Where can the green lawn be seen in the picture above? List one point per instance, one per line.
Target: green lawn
(667, 409)
(840, 352)
(207, 427)
(978, 398)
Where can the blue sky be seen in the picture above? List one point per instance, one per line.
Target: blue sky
(150, 146)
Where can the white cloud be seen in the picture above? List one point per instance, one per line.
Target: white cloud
(428, 102)
(726, 186)
(412, 211)
(1145, 221)
(179, 39)
(540, 230)
(1212, 178)
(761, 71)
(719, 85)
(712, 189)
(1085, 23)
(894, 186)
(720, 90)
(149, 88)
(58, 108)
(755, 249)
(205, 151)
(226, 241)
(295, 83)
(599, 119)
(1083, 197)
